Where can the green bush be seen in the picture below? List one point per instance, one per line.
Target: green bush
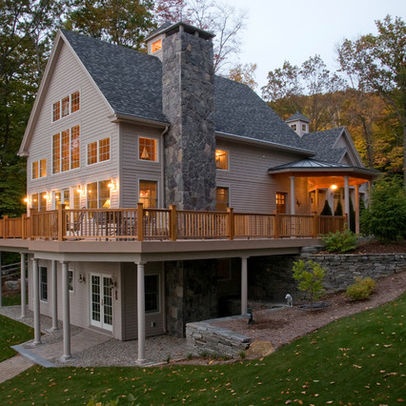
(340, 241)
(310, 276)
(385, 218)
(361, 289)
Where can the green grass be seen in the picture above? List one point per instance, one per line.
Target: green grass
(354, 361)
(12, 300)
(12, 333)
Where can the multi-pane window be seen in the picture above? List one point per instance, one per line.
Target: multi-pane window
(98, 151)
(280, 200)
(147, 149)
(151, 293)
(222, 199)
(39, 169)
(221, 159)
(156, 46)
(67, 105)
(148, 193)
(66, 150)
(62, 197)
(43, 283)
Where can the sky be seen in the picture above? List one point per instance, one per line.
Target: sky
(294, 30)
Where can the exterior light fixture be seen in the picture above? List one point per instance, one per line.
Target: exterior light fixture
(334, 187)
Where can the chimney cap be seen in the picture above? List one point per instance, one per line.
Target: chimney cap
(170, 28)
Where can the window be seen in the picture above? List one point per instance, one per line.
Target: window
(34, 201)
(65, 106)
(222, 199)
(98, 151)
(98, 194)
(151, 293)
(70, 281)
(281, 202)
(43, 283)
(156, 46)
(221, 159)
(34, 171)
(293, 127)
(303, 127)
(147, 149)
(39, 169)
(148, 194)
(62, 197)
(66, 150)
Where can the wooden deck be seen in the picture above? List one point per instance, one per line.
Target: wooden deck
(140, 224)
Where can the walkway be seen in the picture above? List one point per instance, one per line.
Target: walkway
(89, 348)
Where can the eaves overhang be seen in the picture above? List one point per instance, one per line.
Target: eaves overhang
(133, 119)
(263, 143)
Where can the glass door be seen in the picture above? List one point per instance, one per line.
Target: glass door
(101, 301)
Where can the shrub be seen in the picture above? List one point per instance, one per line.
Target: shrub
(361, 289)
(310, 276)
(343, 241)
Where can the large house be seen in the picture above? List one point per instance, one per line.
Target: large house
(151, 181)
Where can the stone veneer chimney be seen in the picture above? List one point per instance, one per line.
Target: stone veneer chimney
(188, 102)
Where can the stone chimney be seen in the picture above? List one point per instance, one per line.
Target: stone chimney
(188, 102)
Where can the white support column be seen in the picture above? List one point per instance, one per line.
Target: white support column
(141, 312)
(292, 195)
(66, 313)
(244, 285)
(357, 208)
(23, 286)
(347, 200)
(54, 296)
(36, 304)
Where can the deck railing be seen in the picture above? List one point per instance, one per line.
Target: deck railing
(164, 224)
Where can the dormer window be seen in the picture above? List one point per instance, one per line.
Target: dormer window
(156, 46)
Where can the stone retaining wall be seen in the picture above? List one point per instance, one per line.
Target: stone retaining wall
(342, 269)
(204, 338)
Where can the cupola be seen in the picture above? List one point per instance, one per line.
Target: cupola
(298, 123)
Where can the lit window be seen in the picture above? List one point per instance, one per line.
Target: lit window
(222, 199)
(75, 102)
(148, 194)
(221, 159)
(280, 202)
(92, 195)
(147, 149)
(104, 149)
(92, 153)
(98, 193)
(151, 293)
(34, 201)
(65, 106)
(156, 46)
(66, 150)
(56, 153)
(75, 148)
(34, 171)
(43, 168)
(43, 283)
(56, 111)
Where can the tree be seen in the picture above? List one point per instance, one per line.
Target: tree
(377, 63)
(225, 21)
(25, 33)
(120, 22)
(244, 74)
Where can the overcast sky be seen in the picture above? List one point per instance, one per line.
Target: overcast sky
(294, 30)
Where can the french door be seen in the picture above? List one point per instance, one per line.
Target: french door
(101, 301)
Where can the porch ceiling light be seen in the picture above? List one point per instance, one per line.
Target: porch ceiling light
(334, 187)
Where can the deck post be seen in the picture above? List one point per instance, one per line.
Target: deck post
(244, 285)
(141, 312)
(61, 222)
(231, 225)
(54, 296)
(172, 222)
(357, 226)
(36, 304)
(140, 222)
(66, 314)
(23, 287)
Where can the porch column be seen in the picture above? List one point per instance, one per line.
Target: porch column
(141, 312)
(36, 304)
(65, 313)
(244, 285)
(357, 229)
(23, 286)
(54, 296)
(347, 200)
(292, 195)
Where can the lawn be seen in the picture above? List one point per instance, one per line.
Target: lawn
(12, 333)
(354, 361)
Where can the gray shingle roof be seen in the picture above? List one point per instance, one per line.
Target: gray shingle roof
(298, 116)
(132, 83)
(322, 143)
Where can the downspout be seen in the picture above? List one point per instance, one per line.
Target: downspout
(166, 129)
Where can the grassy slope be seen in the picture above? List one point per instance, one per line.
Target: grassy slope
(354, 361)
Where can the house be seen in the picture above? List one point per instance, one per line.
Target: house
(133, 163)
